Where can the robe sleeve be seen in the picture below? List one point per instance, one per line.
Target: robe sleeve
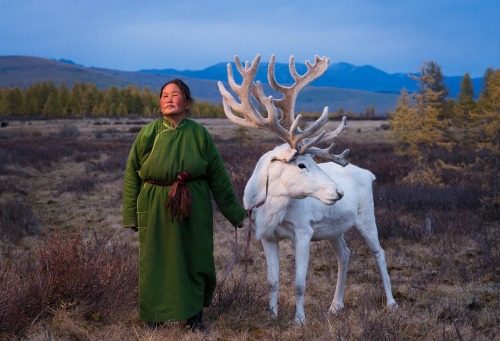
(131, 185)
(221, 186)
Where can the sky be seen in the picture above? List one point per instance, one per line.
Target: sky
(129, 35)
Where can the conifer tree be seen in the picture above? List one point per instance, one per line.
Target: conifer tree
(122, 110)
(370, 111)
(53, 107)
(464, 108)
(33, 98)
(402, 121)
(102, 110)
(487, 126)
(75, 102)
(111, 98)
(91, 98)
(3, 103)
(486, 78)
(113, 109)
(419, 127)
(466, 87)
(32, 105)
(149, 100)
(64, 99)
(340, 111)
(15, 102)
(132, 100)
(43, 94)
(435, 79)
(431, 79)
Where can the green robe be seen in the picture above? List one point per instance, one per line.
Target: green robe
(176, 263)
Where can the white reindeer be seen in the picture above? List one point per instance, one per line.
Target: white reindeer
(290, 195)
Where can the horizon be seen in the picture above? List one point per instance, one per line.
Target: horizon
(263, 62)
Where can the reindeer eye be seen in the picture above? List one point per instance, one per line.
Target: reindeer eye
(302, 166)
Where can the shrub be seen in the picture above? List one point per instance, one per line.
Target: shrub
(69, 131)
(81, 184)
(240, 162)
(97, 277)
(38, 152)
(416, 197)
(113, 162)
(238, 298)
(17, 220)
(379, 158)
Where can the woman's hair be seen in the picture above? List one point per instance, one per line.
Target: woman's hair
(184, 89)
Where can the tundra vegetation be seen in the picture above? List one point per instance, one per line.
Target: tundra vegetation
(68, 270)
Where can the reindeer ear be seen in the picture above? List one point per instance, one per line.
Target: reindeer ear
(290, 154)
(284, 153)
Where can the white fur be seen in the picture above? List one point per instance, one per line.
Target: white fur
(315, 202)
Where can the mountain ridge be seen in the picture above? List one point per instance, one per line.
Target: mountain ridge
(342, 86)
(340, 75)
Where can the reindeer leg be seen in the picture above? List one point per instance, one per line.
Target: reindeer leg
(302, 248)
(343, 254)
(272, 252)
(371, 238)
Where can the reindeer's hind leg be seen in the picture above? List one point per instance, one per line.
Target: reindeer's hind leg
(272, 252)
(343, 253)
(370, 236)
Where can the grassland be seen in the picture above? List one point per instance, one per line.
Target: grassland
(68, 270)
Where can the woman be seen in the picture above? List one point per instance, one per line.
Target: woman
(172, 170)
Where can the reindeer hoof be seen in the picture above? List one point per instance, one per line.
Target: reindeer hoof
(392, 306)
(272, 312)
(335, 309)
(300, 320)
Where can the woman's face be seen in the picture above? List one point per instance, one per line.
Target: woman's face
(172, 102)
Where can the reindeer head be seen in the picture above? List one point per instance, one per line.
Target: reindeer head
(280, 120)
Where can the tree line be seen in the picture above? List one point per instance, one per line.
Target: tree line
(440, 136)
(87, 100)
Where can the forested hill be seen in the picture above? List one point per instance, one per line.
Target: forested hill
(343, 85)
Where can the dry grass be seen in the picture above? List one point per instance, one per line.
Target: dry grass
(67, 268)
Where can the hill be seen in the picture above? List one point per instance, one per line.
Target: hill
(338, 75)
(343, 85)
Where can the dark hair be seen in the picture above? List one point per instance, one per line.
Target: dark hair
(184, 89)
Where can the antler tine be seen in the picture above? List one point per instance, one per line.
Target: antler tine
(287, 103)
(251, 116)
(248, 88)
(331, 135)
(326, 153)
(325, 137)
(298, 135)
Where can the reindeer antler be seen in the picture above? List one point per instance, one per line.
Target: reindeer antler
(286, 127)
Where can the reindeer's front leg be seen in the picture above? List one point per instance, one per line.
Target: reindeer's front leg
(272, 252)
(302, 247)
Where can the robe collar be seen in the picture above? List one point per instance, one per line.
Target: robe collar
(168, 125)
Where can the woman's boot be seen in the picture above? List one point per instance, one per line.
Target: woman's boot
(195, 323)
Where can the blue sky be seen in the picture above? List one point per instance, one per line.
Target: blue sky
(394, 36)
